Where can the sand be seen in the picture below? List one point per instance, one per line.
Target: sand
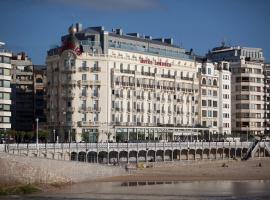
(234, 170)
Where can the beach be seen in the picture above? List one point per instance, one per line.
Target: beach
(255, 169)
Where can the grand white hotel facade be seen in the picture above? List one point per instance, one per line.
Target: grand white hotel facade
(119, 87)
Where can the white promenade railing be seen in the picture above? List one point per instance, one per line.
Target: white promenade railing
(131, 146)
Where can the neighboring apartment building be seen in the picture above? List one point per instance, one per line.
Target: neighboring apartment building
(215, 96)
(5, 89)
(40, 82)
(112, 86)
(22, 93)
(267, 98)
(247, 87)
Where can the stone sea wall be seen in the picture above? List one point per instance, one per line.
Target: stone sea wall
(19, 169)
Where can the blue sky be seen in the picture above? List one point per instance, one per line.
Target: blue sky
(34, 26)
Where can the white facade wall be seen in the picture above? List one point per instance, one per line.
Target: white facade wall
(173, 99)
(5, 90)
(224, 98)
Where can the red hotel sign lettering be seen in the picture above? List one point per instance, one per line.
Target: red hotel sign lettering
(160, 63)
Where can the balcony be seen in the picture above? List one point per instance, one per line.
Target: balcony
(95, 69)
(148, 74)
(167, 76)
(95, 95)
(83, 94)
(69, 82)
(84, 69)
(70, 109)
(69, 70)
(95, 82)
(87, 123)
(82, 109)
(69, 95)
(94, 109)
(84, 82)
(127, 71)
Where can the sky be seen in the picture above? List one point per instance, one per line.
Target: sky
(34, 26)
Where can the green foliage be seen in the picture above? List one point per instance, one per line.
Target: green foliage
(15, 190)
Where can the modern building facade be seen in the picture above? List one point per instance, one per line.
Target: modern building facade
(247, 87)
(22, 93)
(267, 98)
(215, 96)
(40, 82)
(115, 86)
(5, 89)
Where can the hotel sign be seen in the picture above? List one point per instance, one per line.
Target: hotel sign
(159, 63)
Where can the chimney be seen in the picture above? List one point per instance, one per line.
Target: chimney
(169, 41)
(119, 31)
(78, 27)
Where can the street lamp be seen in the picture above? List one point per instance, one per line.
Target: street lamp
(247, 132)
(54, 135)
(37, 133)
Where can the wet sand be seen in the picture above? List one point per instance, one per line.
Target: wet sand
(234, 170)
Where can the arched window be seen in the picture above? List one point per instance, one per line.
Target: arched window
(215, 82)
(203, 81)
(39, 80)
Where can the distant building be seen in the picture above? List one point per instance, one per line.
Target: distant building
(5, 89)
(215, 96)
(40, 95)
(247, 87)
(22, 93)
(267, 98)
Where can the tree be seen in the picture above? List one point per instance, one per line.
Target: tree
(43, 135)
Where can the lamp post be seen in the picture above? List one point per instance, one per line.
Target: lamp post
(37, 133)
(53, 135)
(247, 133)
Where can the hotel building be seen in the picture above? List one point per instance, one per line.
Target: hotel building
(247, 87)
(113, 86)
(5, 89)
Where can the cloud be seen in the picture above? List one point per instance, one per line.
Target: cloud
(98, 4)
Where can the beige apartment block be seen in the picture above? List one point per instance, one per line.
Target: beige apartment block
(5, 89)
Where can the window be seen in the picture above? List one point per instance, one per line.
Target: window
(203, 91)
(4, 119)
(4, 107)
(84, 64)
(209, 103)
(209, 113)
(214, 104)
(203, 81)
(215, 82)
(204, 113)
(215, 113)
(4, 95)
(84, 77)
(204, 103)
(209, 71)
(5, 72)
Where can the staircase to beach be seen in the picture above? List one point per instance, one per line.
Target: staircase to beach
(252, 150)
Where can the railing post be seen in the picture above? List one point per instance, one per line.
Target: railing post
(128, 152)
(108, 151)
(164, 152)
